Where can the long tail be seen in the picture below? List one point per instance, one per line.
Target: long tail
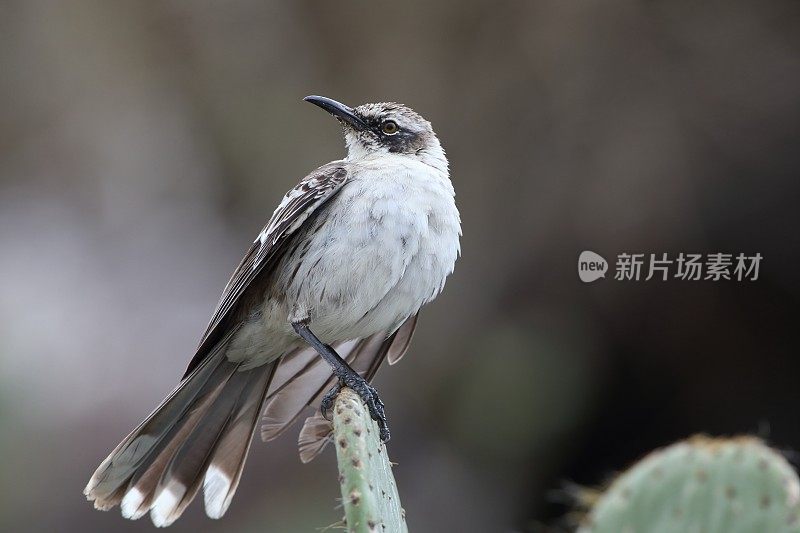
(200, 434)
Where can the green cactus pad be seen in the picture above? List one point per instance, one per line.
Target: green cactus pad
(702, 485)
(369, 492)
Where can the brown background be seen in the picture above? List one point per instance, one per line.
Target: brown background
(143, 145)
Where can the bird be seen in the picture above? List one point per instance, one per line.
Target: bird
(329, 290)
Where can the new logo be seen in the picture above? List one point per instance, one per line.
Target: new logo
(591, 266)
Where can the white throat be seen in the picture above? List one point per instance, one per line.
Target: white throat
(432, 155)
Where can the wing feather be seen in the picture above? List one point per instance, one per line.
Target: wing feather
(297, 206)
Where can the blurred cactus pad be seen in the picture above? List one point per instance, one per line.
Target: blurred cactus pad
(700, 485)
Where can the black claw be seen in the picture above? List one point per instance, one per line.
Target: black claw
(328, 400)
(374, 404)
(368, 395)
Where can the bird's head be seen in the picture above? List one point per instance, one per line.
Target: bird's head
(385, 128)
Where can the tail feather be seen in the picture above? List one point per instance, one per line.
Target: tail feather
(283, 405)
(311, 382)
(402, 340)
(225, 465)
(314, 436)
(181, 478)
(141, 490)
(201, 431)
(129, 456)
(299, 361)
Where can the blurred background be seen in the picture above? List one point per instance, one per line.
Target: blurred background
(144, 144)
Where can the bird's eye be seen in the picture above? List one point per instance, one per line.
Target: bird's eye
(390, 127)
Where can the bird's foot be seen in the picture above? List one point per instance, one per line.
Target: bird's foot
(328, 400)
(376, 408)
(368, 395)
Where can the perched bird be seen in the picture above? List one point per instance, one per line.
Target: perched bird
(330, 288)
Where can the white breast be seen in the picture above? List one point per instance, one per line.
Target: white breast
(388, 241)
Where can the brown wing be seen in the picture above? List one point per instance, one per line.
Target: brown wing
(294, 210)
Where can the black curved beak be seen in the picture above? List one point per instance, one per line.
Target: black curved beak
(338, 110)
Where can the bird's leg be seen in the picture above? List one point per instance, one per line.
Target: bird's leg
(347, 378)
